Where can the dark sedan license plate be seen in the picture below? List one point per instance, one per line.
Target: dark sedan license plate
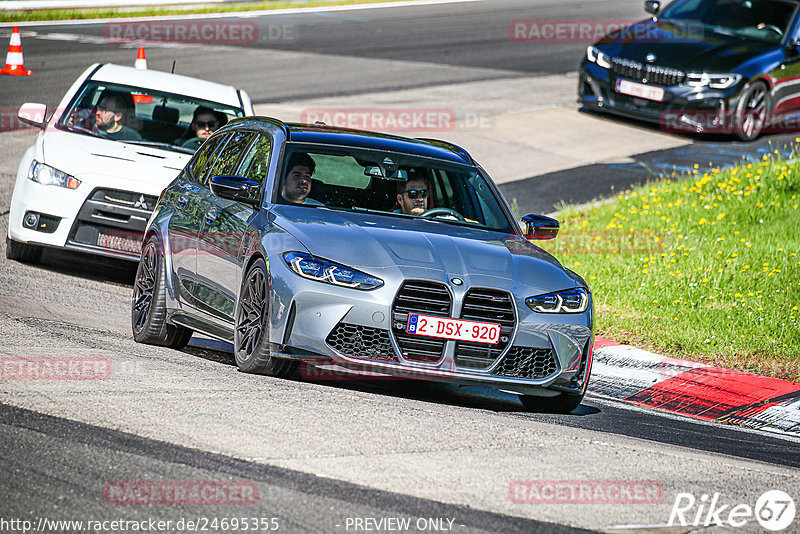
(640, 90)
(458, 329)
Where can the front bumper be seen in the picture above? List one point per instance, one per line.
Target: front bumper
(337, 329)
(684, 108)
(102, 221)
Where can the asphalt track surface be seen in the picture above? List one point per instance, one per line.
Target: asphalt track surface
(53, 463)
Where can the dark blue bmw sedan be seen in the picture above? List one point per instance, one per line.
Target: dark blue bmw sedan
(721, 66)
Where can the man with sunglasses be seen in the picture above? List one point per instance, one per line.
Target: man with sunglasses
(110, 117)
(412, 196)
(205, 121)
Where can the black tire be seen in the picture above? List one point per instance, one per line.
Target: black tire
(752, 112)
(22, 251)
(564, 403)
(251, 332)
(148, 305)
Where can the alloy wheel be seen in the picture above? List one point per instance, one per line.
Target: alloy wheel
(250, 320)
(754, 111)
(144, 286)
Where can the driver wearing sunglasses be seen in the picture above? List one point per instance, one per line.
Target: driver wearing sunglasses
(413, 196)
(205, 121)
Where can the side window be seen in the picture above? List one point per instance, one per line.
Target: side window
(227, 160)
(198, 163)
(255, 164)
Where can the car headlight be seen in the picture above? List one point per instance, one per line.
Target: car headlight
(47, 175)
(322, 270)
(567, 301)
(596, 56)
(714, 81)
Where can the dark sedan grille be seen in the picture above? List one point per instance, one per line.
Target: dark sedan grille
(526, 362)
(362, 342)
(427, 298)
(491, 306)
(628, 68)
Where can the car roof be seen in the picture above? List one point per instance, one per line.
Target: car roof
(171, 83)
(333, 135)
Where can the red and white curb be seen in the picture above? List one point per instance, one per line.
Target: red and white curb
(694, 389)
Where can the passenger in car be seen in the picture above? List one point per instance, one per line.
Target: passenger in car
(413, 196)
(205, 121)
(297, 183)
(110, 117)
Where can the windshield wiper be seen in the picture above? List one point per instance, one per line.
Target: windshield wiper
(159, 144)
(80, 129)
(382, 212)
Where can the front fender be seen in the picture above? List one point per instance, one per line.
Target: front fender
(158, 227)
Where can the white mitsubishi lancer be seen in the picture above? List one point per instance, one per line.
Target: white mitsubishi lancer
(119, 136)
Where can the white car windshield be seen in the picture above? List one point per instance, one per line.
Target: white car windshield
(391, 184)
(145, 116)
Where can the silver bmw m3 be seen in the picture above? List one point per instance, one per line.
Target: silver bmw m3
(362, 252)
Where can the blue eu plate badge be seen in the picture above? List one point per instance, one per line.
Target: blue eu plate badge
(412, 324)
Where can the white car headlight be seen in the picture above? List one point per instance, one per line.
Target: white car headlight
(47, 175)
(714, 81)
(323, 270)
(567, 301)
(596, 56)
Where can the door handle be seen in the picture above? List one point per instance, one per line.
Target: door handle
(182, 200)
(211, 215)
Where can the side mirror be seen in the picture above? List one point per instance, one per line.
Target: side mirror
(236, 188)
(652, 7)
(33, 114)
(540, 227)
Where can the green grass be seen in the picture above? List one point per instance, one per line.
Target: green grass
(704, 268)
(103, 13)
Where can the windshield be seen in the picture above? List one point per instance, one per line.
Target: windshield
(390, 184)
(764, 20)
(145, 116)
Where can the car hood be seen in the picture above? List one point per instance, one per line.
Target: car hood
(677, 45)
(390, 247)
(84, 156)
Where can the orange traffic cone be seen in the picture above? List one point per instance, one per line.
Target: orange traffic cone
(141, 60)
(15, 66)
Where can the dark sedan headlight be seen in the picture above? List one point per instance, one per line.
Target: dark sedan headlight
(329, 272)
(714, 81)
(594, 55)
(567, 301)
(47, 175)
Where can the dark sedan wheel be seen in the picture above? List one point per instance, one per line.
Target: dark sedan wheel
(148, 307)
(752, 112)
(251, 334)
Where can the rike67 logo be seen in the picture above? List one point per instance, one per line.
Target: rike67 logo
(774, 511)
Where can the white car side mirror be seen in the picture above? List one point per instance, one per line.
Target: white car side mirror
(33, 114)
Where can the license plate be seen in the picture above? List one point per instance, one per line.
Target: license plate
(640, 90)
(443, 327)
(122, 241)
